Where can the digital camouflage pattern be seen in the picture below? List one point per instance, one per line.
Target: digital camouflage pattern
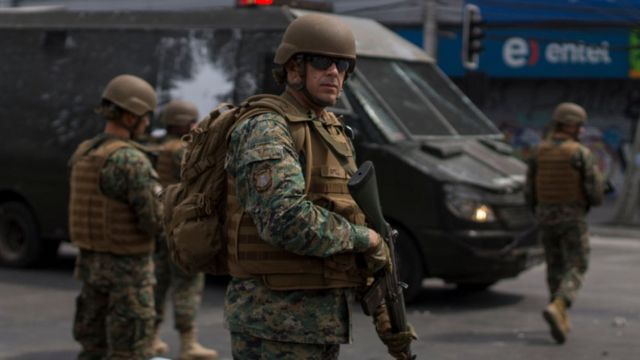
(186, 288)
(567, 255)
(563, 228)
(263, 145)
(115, 309)
(128, 176)
(249, 347)
(284, 218)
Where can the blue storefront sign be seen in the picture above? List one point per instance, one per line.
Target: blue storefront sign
(539, 53)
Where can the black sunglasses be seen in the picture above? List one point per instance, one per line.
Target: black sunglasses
(321, 62)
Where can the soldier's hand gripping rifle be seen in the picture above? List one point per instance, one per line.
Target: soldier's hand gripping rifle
(384, 299)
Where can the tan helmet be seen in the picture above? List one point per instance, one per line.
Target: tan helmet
(131, 93)
(179, 113)
(316, 34)
(569, 113)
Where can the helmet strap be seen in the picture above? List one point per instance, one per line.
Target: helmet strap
(312, 98)
(130, 128)
(135, 125)
(302, 74)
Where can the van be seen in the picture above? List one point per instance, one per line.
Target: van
(448, 183)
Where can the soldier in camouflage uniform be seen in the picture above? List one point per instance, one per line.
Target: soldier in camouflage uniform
(178, 118)
(114, 215)
(563, 182)
(293, 230)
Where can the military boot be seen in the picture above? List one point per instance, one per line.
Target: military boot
(159, 347)
(555, 315)
(190, 349)
(565, 320)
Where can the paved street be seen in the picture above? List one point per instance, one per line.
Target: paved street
(36, 309)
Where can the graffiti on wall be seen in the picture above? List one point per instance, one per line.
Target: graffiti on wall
(522, 110)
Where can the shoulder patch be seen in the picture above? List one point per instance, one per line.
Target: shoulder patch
(262, 178)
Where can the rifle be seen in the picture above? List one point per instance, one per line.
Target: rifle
(385, 290)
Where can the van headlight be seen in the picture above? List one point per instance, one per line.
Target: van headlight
(466, 203)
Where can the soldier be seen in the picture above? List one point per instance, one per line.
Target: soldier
(293, 231)
(114, 215)
(178, 118)
(563, 182)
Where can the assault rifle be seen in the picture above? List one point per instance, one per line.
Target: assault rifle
(386, 290)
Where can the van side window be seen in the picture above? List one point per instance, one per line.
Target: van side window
(379, 115)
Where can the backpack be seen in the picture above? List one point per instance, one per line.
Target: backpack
(194, 208)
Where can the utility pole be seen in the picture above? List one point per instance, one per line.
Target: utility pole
(430, 28)
(626, 210)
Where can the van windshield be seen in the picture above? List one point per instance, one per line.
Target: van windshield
(417, 98)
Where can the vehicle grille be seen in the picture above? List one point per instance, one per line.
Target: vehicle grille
(517, 217)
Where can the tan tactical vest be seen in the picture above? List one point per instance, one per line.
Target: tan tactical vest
(165, 165)
(326, 181)
(557, 180)
(97, 222)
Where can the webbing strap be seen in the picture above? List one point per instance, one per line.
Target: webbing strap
(330, 188)
(341, 149)
(198, 168)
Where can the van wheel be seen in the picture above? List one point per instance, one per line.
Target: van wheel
(20, 244)
(410, 269)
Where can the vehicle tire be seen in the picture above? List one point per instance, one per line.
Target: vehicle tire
(410, 266)
(475, 286)
(20, 244)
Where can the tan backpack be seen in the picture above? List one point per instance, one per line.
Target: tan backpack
(194, 208)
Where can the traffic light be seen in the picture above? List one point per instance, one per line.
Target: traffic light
(472, 35)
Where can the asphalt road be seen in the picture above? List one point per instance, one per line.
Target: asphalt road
(36, 311)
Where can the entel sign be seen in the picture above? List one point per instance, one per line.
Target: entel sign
(518, 52)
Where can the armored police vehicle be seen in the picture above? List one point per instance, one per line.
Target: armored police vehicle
(448, 183)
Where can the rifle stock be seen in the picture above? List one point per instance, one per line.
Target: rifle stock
(386, 290)
(364, 190)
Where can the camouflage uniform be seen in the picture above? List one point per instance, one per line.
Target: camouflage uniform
(563, 228)
(115, 309)
(285, 324)
(249, 347)
(187, 288)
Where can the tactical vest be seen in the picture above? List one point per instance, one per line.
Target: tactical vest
(166, 165)
(326, 185)
(97, 222)
(557, 180)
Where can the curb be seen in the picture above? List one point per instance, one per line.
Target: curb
(608, 230)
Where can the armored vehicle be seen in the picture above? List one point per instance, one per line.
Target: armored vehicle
(448, 183)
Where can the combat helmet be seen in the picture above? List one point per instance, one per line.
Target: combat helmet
(179, 113)
(131, 93)
(568, 113)
(317, 34)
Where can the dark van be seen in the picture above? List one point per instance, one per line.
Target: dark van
(448, 182)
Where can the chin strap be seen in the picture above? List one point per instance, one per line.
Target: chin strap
(131, 129)
(312, 99)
